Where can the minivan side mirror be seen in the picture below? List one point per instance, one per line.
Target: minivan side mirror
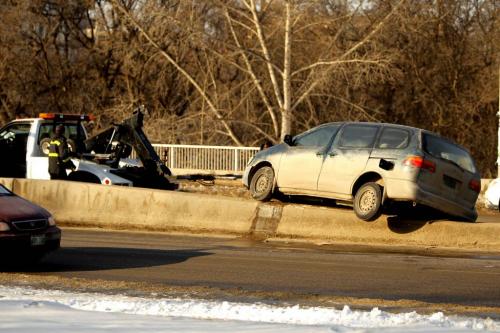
(288, 139)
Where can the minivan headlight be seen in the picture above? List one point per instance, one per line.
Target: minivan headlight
(51, 220)
(4, 226)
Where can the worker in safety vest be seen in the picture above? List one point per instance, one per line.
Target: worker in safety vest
(58, 154)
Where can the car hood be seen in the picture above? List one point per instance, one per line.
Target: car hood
(14, 208)
(271, 151)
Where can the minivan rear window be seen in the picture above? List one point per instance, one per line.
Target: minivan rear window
(446, 150)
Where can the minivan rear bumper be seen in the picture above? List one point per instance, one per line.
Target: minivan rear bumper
(400, 189)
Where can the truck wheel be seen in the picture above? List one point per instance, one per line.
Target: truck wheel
(261, 185)
(368, 202)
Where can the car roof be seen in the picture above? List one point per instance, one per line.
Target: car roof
(22, 120)
(375, 123)
(411, 128)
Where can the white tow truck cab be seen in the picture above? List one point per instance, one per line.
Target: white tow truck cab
(24, 148)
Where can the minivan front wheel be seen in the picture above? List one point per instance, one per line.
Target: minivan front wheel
(261, 185)
(368, 202)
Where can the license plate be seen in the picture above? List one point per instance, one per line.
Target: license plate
(37, 240)
(450, 182)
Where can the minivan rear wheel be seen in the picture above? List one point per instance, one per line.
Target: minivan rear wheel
(261, 185)
(368, 202)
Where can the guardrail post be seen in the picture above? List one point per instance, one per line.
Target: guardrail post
(172, 157)
(236, 159)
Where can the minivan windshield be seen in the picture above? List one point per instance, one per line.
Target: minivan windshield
(438, 147)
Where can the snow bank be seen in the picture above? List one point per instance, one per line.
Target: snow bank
(24, 306)
(492, 194)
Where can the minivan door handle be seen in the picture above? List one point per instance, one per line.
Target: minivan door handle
(332, 154)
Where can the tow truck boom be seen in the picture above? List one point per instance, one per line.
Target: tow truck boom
(117, 142)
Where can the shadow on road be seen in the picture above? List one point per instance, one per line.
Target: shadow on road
(404, 218)
(75, 259)
(401, 225)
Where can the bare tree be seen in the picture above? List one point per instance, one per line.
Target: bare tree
(240, 71)
(292, 83)
(289, 86)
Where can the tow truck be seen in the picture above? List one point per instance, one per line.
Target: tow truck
(102, 158)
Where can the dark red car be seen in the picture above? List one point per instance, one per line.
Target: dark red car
(26, 230)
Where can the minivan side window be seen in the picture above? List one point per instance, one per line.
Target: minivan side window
(393, 138)
(317, 138)
(358, 136)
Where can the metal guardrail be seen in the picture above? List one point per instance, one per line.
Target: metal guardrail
(205, 159)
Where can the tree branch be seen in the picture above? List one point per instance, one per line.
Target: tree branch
(349, 52)
(265, 51)
(255, 80)
(338, 62)
(188, 76)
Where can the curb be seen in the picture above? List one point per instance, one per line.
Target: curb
(115, 207)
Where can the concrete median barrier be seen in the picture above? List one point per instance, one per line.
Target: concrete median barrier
(142, 209)
(341, 225)
(115, 207)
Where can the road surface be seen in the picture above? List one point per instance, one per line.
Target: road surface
(249, 266)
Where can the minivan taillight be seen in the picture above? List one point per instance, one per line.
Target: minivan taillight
(475, 185)
(420, 162)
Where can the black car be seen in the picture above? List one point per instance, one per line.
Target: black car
(27, 231)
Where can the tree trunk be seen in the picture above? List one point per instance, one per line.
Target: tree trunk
(286, 119)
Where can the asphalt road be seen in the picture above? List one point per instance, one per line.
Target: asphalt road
(260, 267)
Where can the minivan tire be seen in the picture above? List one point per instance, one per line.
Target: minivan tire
(368, 202)
(262, 183)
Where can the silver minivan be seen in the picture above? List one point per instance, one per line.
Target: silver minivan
(369, 164)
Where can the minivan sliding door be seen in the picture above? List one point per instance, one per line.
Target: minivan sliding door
(347, 159)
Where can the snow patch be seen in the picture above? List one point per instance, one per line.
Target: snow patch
(316, 319)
